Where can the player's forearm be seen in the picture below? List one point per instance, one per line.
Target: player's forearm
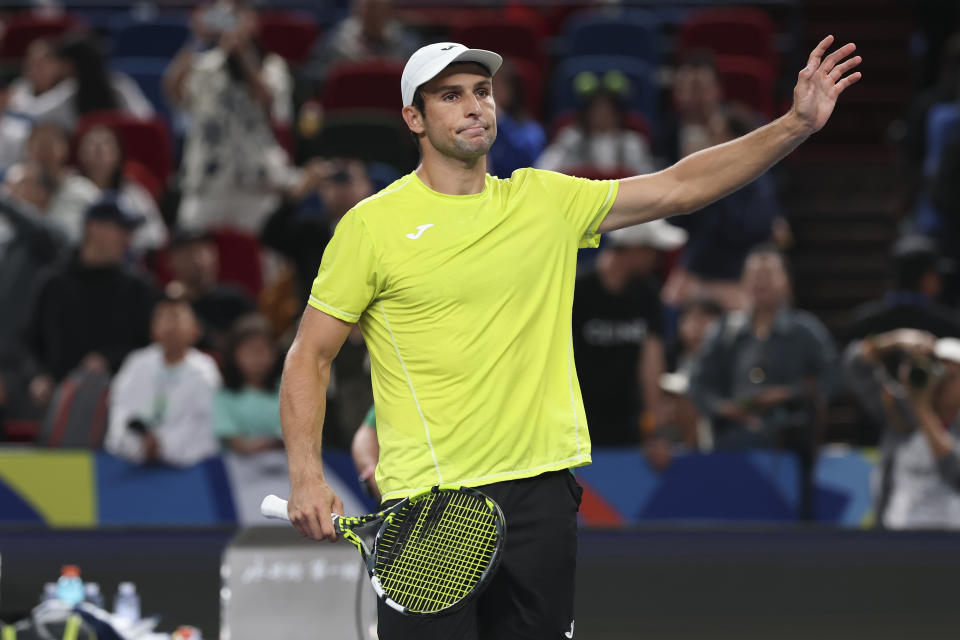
(303, 405)
(942, 444)
(708, 175)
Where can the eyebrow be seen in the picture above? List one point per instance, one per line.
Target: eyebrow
(459, 87)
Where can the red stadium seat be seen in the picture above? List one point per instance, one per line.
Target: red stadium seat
(143, 176)
(731, 31)
(371, 84)
(289, 34)
(146, 141)
(239, 259)
(748, 81)
(23, 28)
(520, 36)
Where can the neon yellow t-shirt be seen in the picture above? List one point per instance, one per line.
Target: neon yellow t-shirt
(465, 304)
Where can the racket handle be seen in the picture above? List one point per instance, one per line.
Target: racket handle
(276, 509)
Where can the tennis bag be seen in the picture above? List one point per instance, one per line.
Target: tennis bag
(77, 415)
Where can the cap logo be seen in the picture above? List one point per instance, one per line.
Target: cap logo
(446, 48)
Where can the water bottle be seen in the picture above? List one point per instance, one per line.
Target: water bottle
(126, 605)
(93, 595)
(70, 586)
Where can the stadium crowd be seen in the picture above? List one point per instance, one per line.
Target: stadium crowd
(170, 180)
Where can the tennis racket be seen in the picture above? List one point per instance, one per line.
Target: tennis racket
(432, 552)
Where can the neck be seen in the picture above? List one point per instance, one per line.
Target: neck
(174, 355)
(452, 176)
(763, 320)
(100, 178)
(92, 256)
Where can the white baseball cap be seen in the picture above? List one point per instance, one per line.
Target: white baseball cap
(656, 233)
(430, 60)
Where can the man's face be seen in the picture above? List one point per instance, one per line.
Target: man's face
(460, 117)
(111, 239)
(196, 263)
(696, 92)
(765, 280)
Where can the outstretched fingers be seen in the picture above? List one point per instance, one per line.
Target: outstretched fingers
(818, 52)
(849, 80)
(831, 60)
(841, 69)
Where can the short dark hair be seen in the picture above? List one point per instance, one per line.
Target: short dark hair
(769, 249)
(703, 304)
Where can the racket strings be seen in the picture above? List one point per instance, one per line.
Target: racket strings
(436, 551)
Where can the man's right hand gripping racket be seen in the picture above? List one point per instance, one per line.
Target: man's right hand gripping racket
(432, 552)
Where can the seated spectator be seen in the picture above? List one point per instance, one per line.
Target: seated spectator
(694, 322)
(723, 233)
(60, 82)
(234, 170)
(368, 32)
(195, 263)
(28, 243)
(618, 333)
(246, 411)
(161, 401)
(49, 147)
(100, 161)
(300, 230)
(917, 407)
(599, 138)
(90, 310)
(912, 302)
(520, 138)
(763, 375)
(365, 450)
(697, 96)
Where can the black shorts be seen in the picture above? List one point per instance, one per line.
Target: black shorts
(531, 595)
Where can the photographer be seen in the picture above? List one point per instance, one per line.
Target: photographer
(909, 384)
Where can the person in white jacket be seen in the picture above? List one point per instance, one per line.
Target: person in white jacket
(161, 401)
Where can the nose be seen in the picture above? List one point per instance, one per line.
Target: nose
(472, 106)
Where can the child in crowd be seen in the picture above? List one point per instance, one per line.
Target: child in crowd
(247, 409)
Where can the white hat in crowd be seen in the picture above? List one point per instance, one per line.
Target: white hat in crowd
(656, 233)
(947, 349)
(428, 61)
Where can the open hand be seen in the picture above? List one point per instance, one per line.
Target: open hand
(821, 82)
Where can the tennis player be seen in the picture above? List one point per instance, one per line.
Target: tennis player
(462, 284)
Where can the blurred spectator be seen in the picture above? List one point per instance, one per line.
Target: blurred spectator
(520, 138)
(300, 230)
(599, 139)
(61, 82)
(763, 375)
(697, 96)
(694, 322)
(368, 32)
(29, 241)
(161, 401)
(91, 310)
(911, 303)
(49, 146)
(365, 450)
(946, 89)
(618, 333)
(100, 161)
(234, 170)
(917, 407)
(195, 263)
(246, 412)
(723, 232)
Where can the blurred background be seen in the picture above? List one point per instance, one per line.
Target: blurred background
(772, 384)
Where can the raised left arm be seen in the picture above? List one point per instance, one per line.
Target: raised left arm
(708, 175)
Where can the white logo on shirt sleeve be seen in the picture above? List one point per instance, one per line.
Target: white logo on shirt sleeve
(420, 230)
(569, 634)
